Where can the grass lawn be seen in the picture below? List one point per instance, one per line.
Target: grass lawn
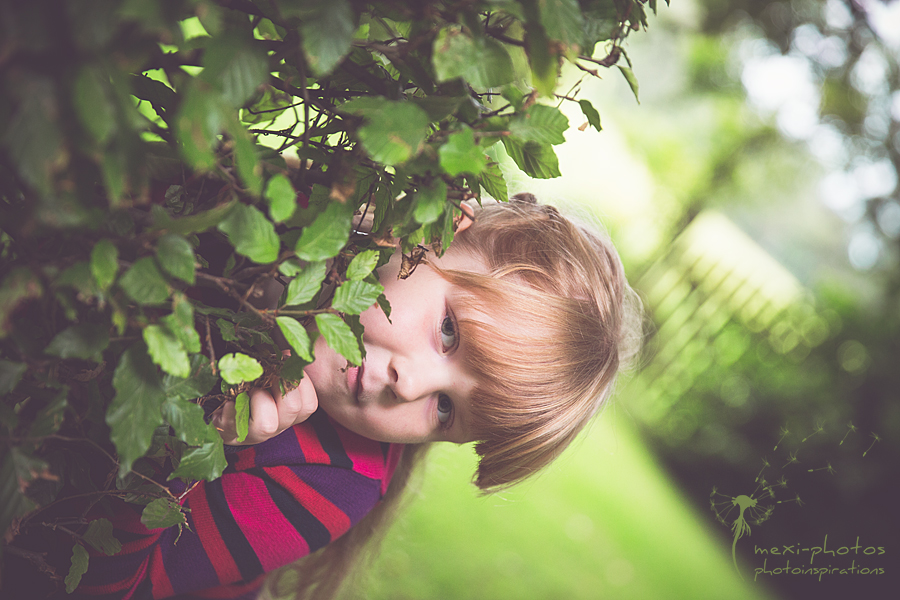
(603, 522)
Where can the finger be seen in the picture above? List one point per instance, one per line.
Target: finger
(264, 419)
(224, 419)
(298, 404)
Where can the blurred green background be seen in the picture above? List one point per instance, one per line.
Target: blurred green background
(752, 194)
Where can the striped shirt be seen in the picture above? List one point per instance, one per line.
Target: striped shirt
(275, 503)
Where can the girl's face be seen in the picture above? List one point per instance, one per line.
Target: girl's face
(412, 385)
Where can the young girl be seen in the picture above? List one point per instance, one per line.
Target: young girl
(512, 340)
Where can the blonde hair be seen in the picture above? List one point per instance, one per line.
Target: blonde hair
(557, 322)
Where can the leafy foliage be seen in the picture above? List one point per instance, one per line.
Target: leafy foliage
(147, 206)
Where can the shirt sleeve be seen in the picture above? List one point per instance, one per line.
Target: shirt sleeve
(276, 502)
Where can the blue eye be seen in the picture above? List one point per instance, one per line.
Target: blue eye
(449, 337)
(444, 409)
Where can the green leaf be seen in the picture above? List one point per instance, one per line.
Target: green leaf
(460, 154)
(199, 121)
(234, 67)
(493, 182)
(326, 236)
(540, 123)
(393, 132)
(483, 62)
(95, 109)
(206, 461)
(176, 257)
(197, 223)
(167, 351)
(327, 34)
(79, 567)
(143, 283)
(339, 337)
(632, 81)
(99, 534)
(198, 384)
(21, 284)
(242, 416)
(537, 160)
(51, 417)
(226, 328)
(85, 340)
(237, 368)
(431, 200)
(251, 233)
(163, 513)
(296, 336)
(135, 412)
(281, 197)
(181, 323)
(306, 285)
(10, 374)
(186, 418)
(13, 502)
(541, 58)
(362, 265)
(563, 22)
(353, 297)
(104, 263)
(591, 113)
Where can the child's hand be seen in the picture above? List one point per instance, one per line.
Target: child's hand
(270, 413)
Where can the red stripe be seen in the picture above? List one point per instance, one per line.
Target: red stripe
(210, 538)
(313, 453)
(272, 537)
(162, 586)
(332, 517)
(246, 459)
(366, 454)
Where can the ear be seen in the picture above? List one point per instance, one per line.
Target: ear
(466, 219)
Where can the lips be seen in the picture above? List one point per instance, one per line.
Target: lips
(354, 381)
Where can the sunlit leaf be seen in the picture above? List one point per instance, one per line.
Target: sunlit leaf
(460, 154)
(167, 351)
(237, 368)
(353, 297)
(296, 336)
(242, 416)
(362, 265)
(306, 284)
(339, 337)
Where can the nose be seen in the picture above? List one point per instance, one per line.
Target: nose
(413, 377)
